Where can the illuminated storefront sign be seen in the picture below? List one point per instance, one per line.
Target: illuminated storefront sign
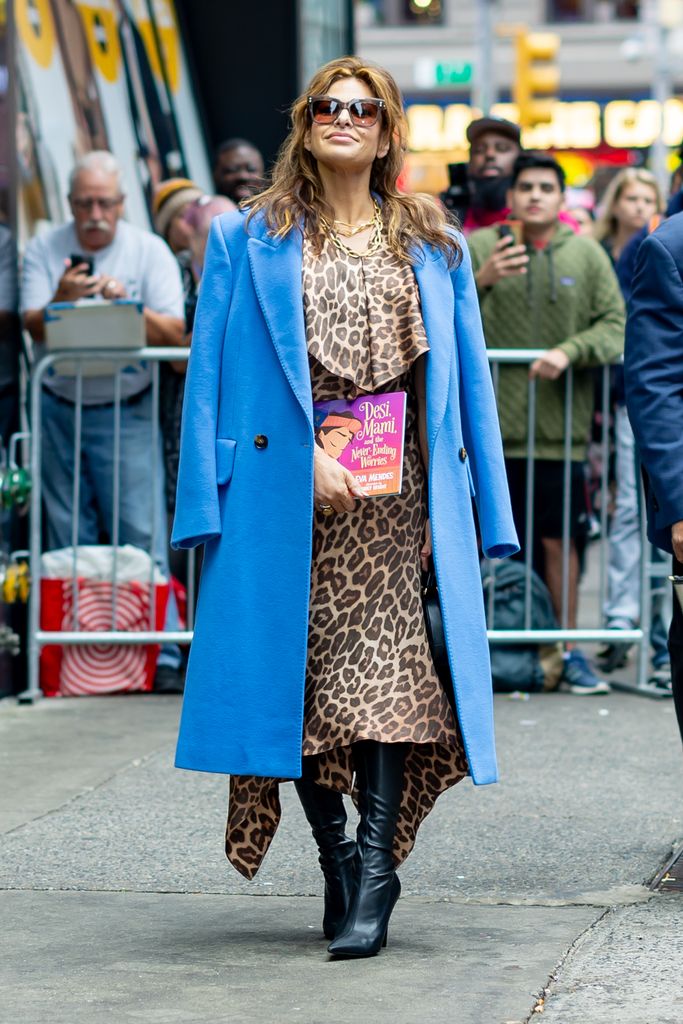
(623, 124)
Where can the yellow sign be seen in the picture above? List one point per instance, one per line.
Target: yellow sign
(101, 31)
(36, 29)
(169, 40)
(623, 124)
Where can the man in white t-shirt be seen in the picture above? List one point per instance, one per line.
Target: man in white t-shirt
(127, 262)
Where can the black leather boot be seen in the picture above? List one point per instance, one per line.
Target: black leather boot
(324, 810)
(379, 776)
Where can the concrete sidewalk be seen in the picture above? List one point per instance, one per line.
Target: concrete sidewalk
(118, 904)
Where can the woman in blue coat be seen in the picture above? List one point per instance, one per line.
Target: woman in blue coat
(310, 659)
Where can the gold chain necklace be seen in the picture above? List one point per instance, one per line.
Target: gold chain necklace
(374, 245)
(353, 229)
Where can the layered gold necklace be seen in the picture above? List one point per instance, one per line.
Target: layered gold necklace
(352, 229)
(375, 242)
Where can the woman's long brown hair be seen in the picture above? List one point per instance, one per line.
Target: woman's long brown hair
(295, 196)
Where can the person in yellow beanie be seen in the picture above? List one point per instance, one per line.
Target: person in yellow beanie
(170, 200)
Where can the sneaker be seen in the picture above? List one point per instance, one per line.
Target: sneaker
(613, 656)
(168, 680)
(578, 676)
(661, 677)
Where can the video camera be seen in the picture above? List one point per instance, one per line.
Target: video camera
(457, 198)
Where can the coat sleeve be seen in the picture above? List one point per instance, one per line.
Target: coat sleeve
(481, 430)
(653, 370)
(197, 515)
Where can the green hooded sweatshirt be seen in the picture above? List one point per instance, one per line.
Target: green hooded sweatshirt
(568, 299)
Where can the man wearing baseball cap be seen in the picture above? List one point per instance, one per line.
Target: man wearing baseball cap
(495, 144)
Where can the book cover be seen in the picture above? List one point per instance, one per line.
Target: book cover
(366, 436)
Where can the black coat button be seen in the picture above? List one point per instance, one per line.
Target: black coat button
(463, 454)
(260, 441)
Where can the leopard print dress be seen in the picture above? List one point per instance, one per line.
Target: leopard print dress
(369, 672)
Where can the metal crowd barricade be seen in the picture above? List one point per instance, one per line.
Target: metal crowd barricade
(649, 569)
(38, 637)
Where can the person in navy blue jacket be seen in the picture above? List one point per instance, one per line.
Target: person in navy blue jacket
(653, 366)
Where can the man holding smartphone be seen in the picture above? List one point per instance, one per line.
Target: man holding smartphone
(98, 255)
(541, 286)
(653, 370)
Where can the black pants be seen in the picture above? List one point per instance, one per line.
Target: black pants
(676, 650)
(548, 504)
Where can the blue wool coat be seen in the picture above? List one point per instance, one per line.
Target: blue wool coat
(245, 490)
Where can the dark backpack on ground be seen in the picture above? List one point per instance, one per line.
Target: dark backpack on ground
(526, 667)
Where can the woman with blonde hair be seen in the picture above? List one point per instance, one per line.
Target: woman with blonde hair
(631, 199)
(310, 659)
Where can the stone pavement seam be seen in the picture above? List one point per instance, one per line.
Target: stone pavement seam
(623, 971)
(643, 896)
(542, 996)
(86, 791)
(616, 897)
(676, 849)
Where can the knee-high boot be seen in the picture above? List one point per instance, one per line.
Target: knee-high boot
(324, 810)
(379, 775)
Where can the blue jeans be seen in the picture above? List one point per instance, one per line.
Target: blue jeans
(141, 474)
(622, 608)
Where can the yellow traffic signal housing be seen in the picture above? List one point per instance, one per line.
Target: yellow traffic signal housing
(537, 76)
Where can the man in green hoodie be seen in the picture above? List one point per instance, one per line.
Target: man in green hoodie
(555, 290)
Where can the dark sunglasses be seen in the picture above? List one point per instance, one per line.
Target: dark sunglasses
(326, 110)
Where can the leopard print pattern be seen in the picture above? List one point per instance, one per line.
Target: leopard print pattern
(369, 671)
(363, 317)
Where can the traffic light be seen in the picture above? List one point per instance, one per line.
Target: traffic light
(422, 11)
(537, 76)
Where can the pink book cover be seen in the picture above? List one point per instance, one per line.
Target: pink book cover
(366, 436)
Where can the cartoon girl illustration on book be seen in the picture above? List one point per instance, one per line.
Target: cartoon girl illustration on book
(336, 432)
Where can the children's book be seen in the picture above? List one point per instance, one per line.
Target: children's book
(366, 436)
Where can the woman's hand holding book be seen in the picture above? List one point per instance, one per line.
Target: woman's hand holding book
(333, 485)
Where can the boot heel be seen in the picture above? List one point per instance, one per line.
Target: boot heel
(385, 939)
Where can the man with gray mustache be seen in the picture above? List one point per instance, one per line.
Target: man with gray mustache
(99, 255)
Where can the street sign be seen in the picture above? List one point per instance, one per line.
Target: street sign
(430, 73)
(456, 73)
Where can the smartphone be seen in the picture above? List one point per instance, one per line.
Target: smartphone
(77, 258)
(515, 228)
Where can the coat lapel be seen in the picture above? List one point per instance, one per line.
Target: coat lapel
(438, 313)
(276, 271)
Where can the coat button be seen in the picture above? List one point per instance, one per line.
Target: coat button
(463, 454)
(260, 441)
